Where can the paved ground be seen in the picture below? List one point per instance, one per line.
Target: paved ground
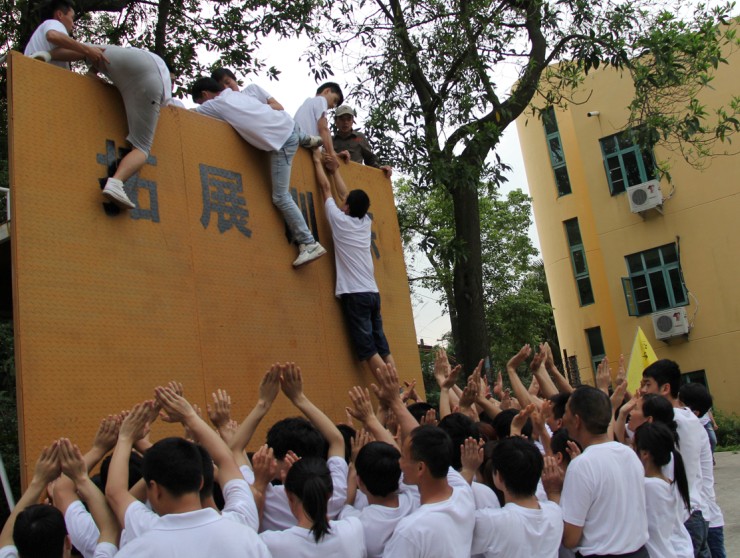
(727, 487)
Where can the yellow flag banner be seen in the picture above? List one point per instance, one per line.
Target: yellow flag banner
(641, 357)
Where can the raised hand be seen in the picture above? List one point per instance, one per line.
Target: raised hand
(470, 393)
(270, 385)
(471, 454)
(47, 465)
(552, 478)
(521, 419)
(362, 408)
(621, 372)
(359, 441)
(430, 417)
(220, 412)
(107, 434)
(291, 381)
(176, 408)
(264, 466)
(409, 391)
(498, 387)
(520, 357)
(289, 460)
(71, 460)
(135, 425)
(603, 376)
(387, 388)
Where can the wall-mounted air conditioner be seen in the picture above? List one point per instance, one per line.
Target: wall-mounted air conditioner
(670, 323)
(645, 196)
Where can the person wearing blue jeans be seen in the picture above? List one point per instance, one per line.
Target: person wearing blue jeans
(267, 128)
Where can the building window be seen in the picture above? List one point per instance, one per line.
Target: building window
(626, 164)
(578, 259)
(654, 282)
(697, 376)
(595, 347)
(557, 156)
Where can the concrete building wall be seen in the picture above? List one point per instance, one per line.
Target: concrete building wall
(700, 217)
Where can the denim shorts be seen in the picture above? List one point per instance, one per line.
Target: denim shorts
(362, 313)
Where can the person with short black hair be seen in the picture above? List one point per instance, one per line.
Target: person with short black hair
(309, 487)
(351, 229)
(311, 118)
(604, 482)
(663, 377)
(524, 527)
(270, 130)
(378, 473)
(443, 524)
(555, 420)
(226, 77)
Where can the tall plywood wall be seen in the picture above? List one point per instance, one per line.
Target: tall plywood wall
(196, 284)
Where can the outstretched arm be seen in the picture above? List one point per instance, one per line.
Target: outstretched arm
(94, 54)
(388, 391)
(362, 410)
(73, 466)
(47, 469)
(520, 391)
(291, 383)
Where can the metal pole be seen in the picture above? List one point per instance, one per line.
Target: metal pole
(6, 486)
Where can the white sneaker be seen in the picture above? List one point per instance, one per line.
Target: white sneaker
(42, 55)
(114, 192)
(309, 253)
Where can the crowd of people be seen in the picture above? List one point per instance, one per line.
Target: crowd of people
(541, 470)
(545, 470)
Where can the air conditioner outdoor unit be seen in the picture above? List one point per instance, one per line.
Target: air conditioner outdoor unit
(670, 323)
(645, 196)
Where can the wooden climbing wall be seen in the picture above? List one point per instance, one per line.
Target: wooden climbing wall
(196, 284)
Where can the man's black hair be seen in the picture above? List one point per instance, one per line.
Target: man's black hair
(39, 532)
(204, 84)
(296, 434)
(378, 468)
(47, 10)
(175, 464)
(347, 433)
(334, 88)
(559, 400)
(135, 463)
(559, 443)
(419, 410)
(696, 397)
(432, 446)
(665, 371)
(502, 424)
(220, 73)
(519, 463)
(358, 203)
(459, 427)
(593, 407)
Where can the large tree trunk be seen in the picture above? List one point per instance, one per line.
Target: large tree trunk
(471, 338)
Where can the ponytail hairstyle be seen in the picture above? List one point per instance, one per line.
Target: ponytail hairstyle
(309, 480)
(656, 439)
(661, 410)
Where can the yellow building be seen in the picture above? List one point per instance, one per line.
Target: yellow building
(621, 253)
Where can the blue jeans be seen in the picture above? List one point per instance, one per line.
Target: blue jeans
(282, 163)
(698, 528)
(716, 541)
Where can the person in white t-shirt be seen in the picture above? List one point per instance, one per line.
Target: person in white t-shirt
(663, 377)
(308, 486)
(524, 527)
(667, 501)
(269, 130)
(378, 473)
(603, 483)
(311, 118)
(442, 526)
(34, 530)
(227, 78)
(351, 229)
(57, 21)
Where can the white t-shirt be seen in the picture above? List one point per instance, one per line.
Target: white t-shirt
(345, 538)
(484, 497)
(255, 121)
(378, 522)
(198, 533)
(710, 509)
(442, 529)
(603, 483)
(277, 515)
(517, 532)
(102, 550)
(662, 504)
(308, 115)
(39, 41)
(81, 528)
(691, 438)
(354, 262)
